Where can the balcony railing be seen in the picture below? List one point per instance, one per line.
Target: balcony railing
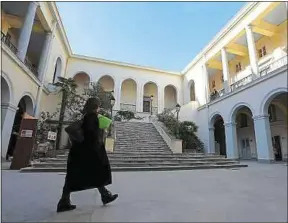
(274, 65)
(265, 70)
(14, 49)
(241, 82)
(127, 107)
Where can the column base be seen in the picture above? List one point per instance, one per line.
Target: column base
(265, 161)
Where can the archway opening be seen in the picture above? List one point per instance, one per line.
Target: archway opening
(25, 105)
(170, 97)
(276, 108)
(150, 98)
(245, 133)
(192, 91)
(219, 135)
(128, 95)
(57, 70)
(5, 99)
(107, 83)
(82, 79)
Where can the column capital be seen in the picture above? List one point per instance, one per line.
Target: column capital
(35, 4)
(211, 128)
(259, 117)
(230, 124)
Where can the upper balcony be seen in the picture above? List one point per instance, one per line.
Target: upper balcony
(255, 52)
(26, 45)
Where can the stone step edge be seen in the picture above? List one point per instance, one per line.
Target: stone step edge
(124, 169)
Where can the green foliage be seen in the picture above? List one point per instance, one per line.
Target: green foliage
(186, 131)
(125, 115)
(98, 91)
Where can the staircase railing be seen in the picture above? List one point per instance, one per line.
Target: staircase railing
(174, 144)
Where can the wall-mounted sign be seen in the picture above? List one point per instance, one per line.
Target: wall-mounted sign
(26, 133)
(52, 135)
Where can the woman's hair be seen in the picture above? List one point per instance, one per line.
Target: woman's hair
(91, 105)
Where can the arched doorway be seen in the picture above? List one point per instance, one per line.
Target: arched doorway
(150, 95)
(192, 90)
(245, 133)
(128, 95)
(170, 97)
(57, 70)
(5, 99)
(276, 108)
(25, 105)
(219, 135)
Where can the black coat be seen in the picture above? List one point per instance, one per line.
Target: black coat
(88, 165)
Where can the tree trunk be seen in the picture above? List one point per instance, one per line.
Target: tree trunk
(61, 119)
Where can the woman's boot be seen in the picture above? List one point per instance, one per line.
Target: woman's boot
(65, 204)
(106, 196)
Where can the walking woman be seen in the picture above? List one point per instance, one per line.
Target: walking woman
(88, 166)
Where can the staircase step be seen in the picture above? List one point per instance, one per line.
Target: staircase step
(154, 168)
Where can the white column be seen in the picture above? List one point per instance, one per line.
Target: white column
(117, 95)
(263, 138)
(206, 83)
(211, 141)
(44, 56)
(7, 124)
(26, 30)
(43, 65)
(225, 66)
(231, 141)
(252, 51)
(161, 99)
(139, 102)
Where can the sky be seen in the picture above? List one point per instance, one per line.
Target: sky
(163, 35)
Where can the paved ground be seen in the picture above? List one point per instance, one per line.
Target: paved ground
(257, 193)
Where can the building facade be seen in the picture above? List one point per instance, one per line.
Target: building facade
(235, 89)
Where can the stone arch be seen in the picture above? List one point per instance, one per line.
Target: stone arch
(150, 88)
(107, 82)
(170, 96)
(82, 78)
(277, 146)
(57, 69)
(5, 80)
(191, 87)
(268, 99)
(235, 109)
(244, 138)
(213, 117)
(128, 99)
(218, 136)
(28, 102)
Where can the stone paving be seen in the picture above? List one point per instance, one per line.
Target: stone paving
(256, 194)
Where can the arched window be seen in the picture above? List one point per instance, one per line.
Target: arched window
(192, 91)
(57, 70)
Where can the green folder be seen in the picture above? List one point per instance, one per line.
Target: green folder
(104, 122)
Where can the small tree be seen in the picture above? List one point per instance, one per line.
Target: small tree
(125, 115)
(187, 131)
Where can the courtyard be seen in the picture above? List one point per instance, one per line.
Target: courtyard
(257, 193)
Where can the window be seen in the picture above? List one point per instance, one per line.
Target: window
(272, 113)
(54, 75)
(243, 121)
(238, 67)
(222, 78)
(262, 52)
(213, 84)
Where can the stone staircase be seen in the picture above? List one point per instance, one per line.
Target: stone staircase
(139, 147)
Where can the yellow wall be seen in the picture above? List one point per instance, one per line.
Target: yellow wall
(151, 89)
(232, 65)
(275, 41)
(218, 81)
(128, 92)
